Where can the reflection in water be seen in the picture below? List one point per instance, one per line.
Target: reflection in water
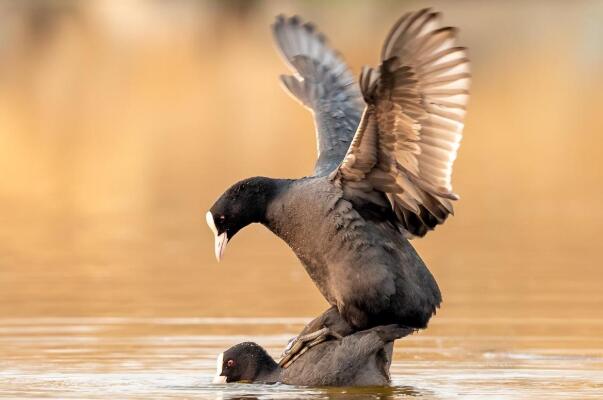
(240, 397)
(376, 393)
(381, 393)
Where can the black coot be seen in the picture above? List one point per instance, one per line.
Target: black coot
(360, 359)
(383, 174)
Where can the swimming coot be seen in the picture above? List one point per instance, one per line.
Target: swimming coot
(383, 174)
(359, 359)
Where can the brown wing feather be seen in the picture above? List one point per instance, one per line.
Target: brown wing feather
(411, 128)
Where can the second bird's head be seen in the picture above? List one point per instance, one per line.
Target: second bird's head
(244, 362)
(242, 204)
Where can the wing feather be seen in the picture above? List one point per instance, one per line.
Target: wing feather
(412, 125)
(323, 83)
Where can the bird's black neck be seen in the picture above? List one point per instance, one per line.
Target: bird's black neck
(263, 191)
(270, 373)
(263, 368)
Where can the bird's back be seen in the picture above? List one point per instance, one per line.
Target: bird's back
(361, 359)
(363, 266)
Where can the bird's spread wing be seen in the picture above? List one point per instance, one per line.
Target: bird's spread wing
(412, 124)
(323, 83)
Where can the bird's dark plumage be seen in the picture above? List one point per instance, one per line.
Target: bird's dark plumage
(324, 84)
(363, 266)
(360, 359)
(371, 190)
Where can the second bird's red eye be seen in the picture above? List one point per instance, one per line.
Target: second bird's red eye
(230, 363)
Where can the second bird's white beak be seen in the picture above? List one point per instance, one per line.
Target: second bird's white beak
(220, 240)
(219, 378)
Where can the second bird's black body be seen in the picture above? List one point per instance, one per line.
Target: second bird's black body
(359, 359)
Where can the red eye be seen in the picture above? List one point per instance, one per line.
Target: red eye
(230, 363)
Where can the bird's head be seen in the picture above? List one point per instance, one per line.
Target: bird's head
(242, 204)
(244, 362)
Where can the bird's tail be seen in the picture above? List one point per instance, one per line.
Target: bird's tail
(389, 333)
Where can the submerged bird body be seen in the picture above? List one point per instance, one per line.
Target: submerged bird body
(362, 265)
(360, 359)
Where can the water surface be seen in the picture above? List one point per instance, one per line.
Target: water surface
(138, 358)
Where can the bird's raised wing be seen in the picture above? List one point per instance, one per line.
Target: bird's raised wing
(412, 125)
(323, 83)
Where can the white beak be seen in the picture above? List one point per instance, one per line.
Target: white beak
(220, 246)
(220, 240)
(219, 378)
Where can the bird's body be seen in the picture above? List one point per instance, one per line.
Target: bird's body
(360, 359)
(386, 147)
(361, 264)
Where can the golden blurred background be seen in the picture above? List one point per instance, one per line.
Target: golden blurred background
(122, 121)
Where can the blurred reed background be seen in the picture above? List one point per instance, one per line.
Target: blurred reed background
(122, 121)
